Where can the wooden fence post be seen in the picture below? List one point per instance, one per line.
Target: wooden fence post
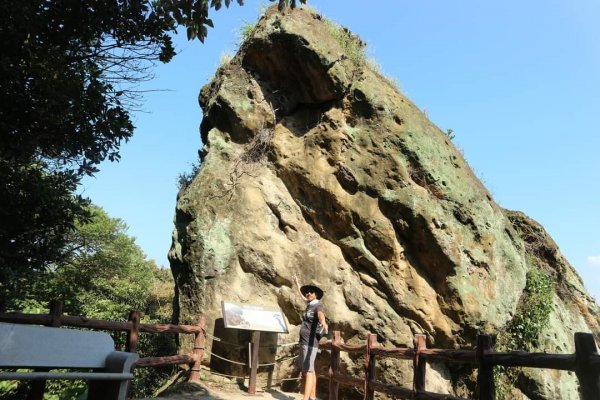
(485, 375)
(334, 386)
(132, 334)
(198, 350)
(370, 366)
(589, 377)
(419, 365)
(56, 311)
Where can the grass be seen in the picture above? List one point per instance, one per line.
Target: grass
(245, 32)
(353, 47)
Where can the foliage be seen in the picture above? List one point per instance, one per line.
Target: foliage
(10, 390)
(64, 109)
(533, 313)
(524, 330)
(68, 76)
(353, 47)
(225, 58)
(193, 14)
(245, 32)
(450, 134)
(185, 178)
(287, 3)
(148, 380)
(105, 277)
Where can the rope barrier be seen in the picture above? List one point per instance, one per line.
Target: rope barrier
(225, 359)
(225, 375)
(279, 345)
(244, 377)
(277, 361)
(219, 382)
(208, 335)
(287, 379)
(218, 339)
(215, 338)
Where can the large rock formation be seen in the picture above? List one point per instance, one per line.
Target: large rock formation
(315, 164)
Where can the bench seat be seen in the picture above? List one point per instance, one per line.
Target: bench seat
(45, 349)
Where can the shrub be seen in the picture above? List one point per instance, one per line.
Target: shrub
(523, 331)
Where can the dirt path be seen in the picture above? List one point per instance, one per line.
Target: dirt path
(197, 391)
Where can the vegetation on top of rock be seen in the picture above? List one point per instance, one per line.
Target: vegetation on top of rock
(353, 47)
(186, 177)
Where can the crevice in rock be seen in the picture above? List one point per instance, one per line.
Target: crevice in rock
(258, 264)
(414, 233)
(281, 223)
(423, 252)
(301, 75)
(474, 261)
(304, 117)
(347, 179)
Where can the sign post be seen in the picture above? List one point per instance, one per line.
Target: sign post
(254, 362)
(256, 319)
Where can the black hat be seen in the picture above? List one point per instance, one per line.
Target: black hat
(312, 288)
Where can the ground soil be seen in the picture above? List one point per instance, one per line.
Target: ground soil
(206, 391)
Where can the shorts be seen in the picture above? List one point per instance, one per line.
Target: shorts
(308, 356)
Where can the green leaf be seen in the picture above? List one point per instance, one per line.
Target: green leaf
(191, 33)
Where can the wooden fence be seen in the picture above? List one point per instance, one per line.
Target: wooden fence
(585, 362)
(133, 327)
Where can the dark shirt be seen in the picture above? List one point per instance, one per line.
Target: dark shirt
(310, 321)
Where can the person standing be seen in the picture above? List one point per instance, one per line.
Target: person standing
(313, 326)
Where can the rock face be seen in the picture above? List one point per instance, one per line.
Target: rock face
(314, 164)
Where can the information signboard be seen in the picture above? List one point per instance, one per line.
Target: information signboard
(253, 317)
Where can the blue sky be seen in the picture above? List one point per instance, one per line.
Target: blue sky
(518, 82)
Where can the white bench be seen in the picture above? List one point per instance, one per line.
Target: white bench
(41, 347)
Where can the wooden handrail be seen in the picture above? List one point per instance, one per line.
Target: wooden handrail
(84, 322)
(565, 362)
(349, 348)
(586, 363)
(400, 352)
(132, 327)
(450, 355)
(165, 360)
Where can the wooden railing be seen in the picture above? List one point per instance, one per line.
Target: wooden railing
(133, 327)
(585, 362)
